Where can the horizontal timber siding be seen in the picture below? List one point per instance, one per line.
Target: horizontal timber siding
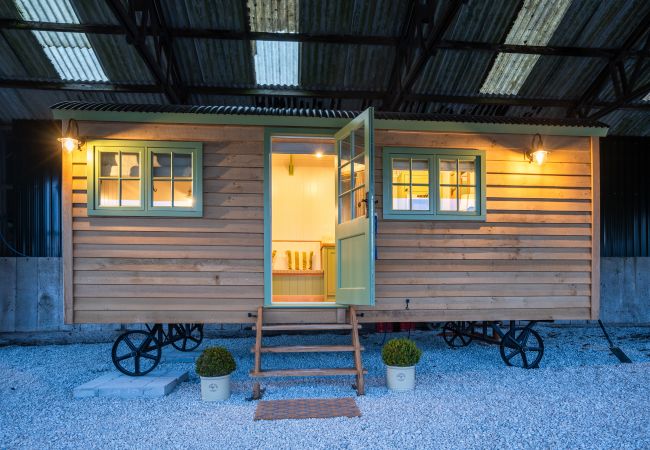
(530, 259)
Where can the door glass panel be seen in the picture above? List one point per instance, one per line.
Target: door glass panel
(447, 171)
(108, 193)
(448, 201)
(359, 173)
(467, 173)
(420, 200)
(359, 141)
(161, 164)
(109, 164)
(162, 193)
(359, 204)
(420, 170)
(344, 150)
(467, 200)
(345, 208)
(130, 165)
(182, 165)
(130, 192)
(345, 178)
(401, 171)
(183, 193)
(401, 200)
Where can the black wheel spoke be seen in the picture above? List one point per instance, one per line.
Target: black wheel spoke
(148, 356)
(524, 359)
(512, 355)
(128, 342)
(123, 357)
(137, 364)
(192, 338)
(184, 344)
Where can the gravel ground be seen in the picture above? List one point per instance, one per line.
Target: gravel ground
(581, 397)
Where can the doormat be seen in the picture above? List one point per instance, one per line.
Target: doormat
(306, 408)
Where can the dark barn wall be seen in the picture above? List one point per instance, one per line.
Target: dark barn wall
(32, 160)
(625, 225)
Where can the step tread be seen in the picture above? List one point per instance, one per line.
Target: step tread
(304, 372)
(306, 326)
(306, 348)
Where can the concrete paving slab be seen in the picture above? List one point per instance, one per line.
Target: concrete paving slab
(117, 385)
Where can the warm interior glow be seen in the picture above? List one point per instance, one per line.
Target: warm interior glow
(539, 156)
(69, 143)
(319, 153)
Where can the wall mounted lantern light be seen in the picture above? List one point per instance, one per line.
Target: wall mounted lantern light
(70, 139)
(537, 152)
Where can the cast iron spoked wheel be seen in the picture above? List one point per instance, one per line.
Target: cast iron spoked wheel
(452, 333)
(522, 347)
(136, 353)
(186, 336)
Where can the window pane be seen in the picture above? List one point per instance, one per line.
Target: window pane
(401, 171)
(447, 172)
(359, 141)
(359, 173)
(162, 193)
(345, 179)
(467, 172)
(345, 208)
(420, 201)
(183, 194)
(420, 171)
(161, 164)
(182, 166)
(467, 200)
(344, 153)
(108, 193)
(448, 201)
(109, 164)
(130, 192)
(130, 165)
(359, 204)
(401, 199)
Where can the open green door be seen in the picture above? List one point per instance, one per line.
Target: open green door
(355, 227)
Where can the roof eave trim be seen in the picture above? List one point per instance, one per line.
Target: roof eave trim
(323, 122)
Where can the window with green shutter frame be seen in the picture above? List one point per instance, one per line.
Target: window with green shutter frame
(145, 178)
(433, 184)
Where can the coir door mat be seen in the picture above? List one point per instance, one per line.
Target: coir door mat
(307, 408)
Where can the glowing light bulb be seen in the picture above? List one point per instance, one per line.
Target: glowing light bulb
(69, 143)
(319, 154)
(539, 156)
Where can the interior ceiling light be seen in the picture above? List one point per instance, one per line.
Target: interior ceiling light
(276, 62)
(70, 53)
(534, 25)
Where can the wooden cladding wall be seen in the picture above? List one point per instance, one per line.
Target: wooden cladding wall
(531, 258)
(149, 269)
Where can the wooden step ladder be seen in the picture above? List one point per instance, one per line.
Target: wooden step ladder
(356, 348)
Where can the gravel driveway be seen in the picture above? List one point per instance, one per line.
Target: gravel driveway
(581, 397)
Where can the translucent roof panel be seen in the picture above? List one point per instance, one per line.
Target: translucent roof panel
(276, 63)
(70, 53)
(534, 25)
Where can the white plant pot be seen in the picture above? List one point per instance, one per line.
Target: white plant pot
(400, 378)
(215, 388)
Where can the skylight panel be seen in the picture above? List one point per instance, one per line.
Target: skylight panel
(276, 62)
(534, 25)
(70, 53)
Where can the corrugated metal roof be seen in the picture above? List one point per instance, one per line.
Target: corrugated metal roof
(323, 113)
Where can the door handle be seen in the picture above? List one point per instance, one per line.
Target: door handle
(365, 200)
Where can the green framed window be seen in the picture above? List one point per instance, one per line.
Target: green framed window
(433, 184)
(145, 178)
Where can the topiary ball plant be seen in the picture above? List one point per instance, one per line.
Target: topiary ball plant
(401, 352)
(215, 362)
